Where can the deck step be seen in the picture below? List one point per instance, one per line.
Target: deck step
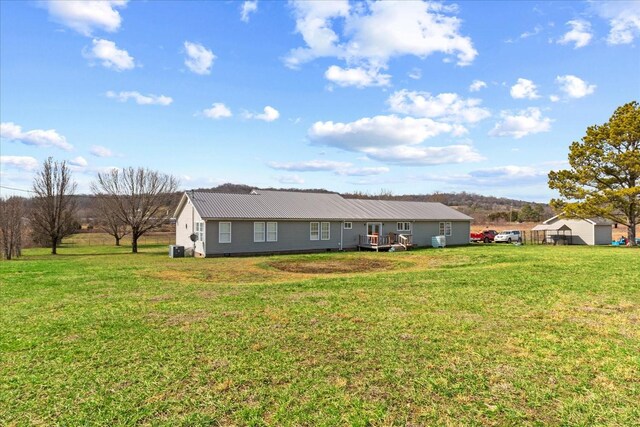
(398, 247)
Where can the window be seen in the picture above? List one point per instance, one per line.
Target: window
(404, 226)
(272, 232)
(199, 230)
(258, 231)
(324, 231)
(348, 225)
(314, 230)
(224, 232)
(445, 229)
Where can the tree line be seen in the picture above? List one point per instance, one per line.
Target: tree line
(128, 201)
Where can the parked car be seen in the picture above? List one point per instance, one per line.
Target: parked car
(508, 236)
(484, 236)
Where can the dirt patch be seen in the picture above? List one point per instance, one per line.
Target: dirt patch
(353, 265)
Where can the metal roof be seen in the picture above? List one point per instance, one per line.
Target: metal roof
(289, 205)
(551, 227)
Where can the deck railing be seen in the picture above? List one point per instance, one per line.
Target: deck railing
(373, 240)
(405, 239)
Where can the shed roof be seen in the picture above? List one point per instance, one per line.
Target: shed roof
(551, 227)
(290, 205)
(593, 221)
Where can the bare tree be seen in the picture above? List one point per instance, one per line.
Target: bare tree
(11, 215)
(137, 197)
(109, 222)
(54, 205)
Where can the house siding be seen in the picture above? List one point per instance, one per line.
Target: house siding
(185, 224)
(421, 231)
(292, 236)
(585, 233)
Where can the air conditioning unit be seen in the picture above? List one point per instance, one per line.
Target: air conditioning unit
(176, 251)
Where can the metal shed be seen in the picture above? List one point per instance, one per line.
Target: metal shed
(552, 234)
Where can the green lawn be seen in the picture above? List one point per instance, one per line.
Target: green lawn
(479, 335)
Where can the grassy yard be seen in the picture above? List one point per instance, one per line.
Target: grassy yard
(480, 335)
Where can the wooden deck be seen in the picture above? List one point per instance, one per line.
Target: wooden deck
(401, 242)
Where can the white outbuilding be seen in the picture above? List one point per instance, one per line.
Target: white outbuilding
(582, 231)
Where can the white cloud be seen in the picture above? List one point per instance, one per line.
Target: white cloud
(313, 22)
(25, 163)
(624, 20)
(366, 171)
(580, 34)
(110, 55)
(425, 156)
(378, 131)
(339, 168)
(269, 114)
(310, 166)
(415, 74)
(536, 30)
(217, 111)
(290, 179)
(199, 59)
(100, 151)
(524, 89)
(448, 107)
(248, 7)
(524, 123)
(78, 161)
(574, 87)
(374, 32)
(358, 77)
(395, 140)
(496, 176)
(476, 85)
(87, 16)
(37, 137)
(554, 98)
(139, 98)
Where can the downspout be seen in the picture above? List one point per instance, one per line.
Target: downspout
(341, 231)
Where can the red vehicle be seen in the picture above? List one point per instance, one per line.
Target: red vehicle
(485, 236)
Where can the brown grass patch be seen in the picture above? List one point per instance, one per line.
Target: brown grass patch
(328, 266)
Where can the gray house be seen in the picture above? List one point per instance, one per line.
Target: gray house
(283, 221)
(577, 231)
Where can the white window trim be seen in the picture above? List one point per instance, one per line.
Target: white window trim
(220, 232)
(400, 226)
(266, 230)
(443, 228)
(199, 230)
(311, 231)
(348, 225)
(328, 224)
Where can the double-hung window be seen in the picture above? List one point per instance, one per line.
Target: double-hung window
(224, 232)
(404, 226)
(258, 231)
(272, 232)
(445, 229)
(314, 231)
(325, 233)
(199, 230)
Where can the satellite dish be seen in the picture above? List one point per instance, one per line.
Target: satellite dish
(194, 237)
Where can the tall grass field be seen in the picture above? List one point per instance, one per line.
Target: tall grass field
(478, 335)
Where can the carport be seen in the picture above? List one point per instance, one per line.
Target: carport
(552, 234)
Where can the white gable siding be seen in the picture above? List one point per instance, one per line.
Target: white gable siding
(185, 224)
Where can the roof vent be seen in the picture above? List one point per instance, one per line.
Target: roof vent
(254, 192)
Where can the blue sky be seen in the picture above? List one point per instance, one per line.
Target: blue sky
(411, 97)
